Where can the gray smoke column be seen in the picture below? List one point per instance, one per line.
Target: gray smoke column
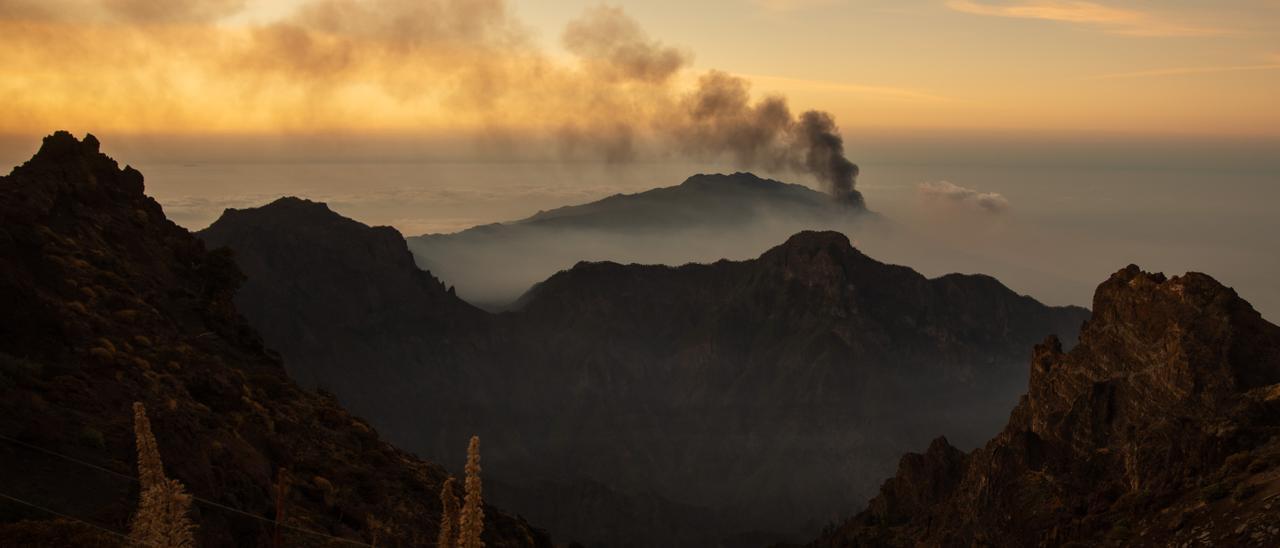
(719, 119)
(819, 140)
(466, 63)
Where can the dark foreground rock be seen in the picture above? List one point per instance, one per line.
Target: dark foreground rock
(106, 302)
(1160, 428)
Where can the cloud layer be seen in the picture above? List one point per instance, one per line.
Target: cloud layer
(950, 194)
(1107, 18)
(395, 65)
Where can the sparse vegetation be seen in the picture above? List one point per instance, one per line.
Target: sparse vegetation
(471, 520)
(92, 438)
(1238, 462)
(163, 517)
(1119, 533)
(1245, 491)
(1258, 466)
(1215, 491)
(448, 514)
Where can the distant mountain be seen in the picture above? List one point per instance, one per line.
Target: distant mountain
(787, 378)
(708, 217)
(107, 302)
(757, 394)
(1160, 428)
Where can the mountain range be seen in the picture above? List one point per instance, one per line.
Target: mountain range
(705, 218)
(728, 403)
(765, 394)
(107, 303)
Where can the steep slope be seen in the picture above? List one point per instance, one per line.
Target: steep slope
(344, 303)
(348, 309)
(795, 378)
(1160, 428)
(707, 217)
(790, 377)
(107, 303)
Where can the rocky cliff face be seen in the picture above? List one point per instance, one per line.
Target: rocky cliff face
(795, 379)
(1161, 427)
(107, 303)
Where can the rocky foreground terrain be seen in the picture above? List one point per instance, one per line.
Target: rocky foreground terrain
(106, 302)
(738, 402)
(1160, 428)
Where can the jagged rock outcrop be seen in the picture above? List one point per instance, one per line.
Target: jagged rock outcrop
(795, 378)
(106, 303)
(1160, 428)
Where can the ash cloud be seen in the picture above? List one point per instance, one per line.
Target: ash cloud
(720, 118)
(948, 193)
(335, 64)
(615, 48)
(173, 10)
(126, 11)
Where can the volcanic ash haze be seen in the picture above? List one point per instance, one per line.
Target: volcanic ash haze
(400, 66)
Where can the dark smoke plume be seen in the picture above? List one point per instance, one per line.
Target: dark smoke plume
(823, 147)
(338, 64)
(718, 118)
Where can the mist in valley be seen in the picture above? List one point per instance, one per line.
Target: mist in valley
(1075, 208)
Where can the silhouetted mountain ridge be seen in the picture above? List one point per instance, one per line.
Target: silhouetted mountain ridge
(794, 378)
(703, 199)
(107, 303)
(707, 217)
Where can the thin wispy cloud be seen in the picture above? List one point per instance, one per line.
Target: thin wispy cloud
(794, 5)
(1181, 71)
(1110, 19)
(843, 87)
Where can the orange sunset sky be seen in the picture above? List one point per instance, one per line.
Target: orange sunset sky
(197, 67)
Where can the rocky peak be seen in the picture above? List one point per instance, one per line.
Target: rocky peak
(1175, 340)
(307, 245)
(301, 214)
(1170, 397)
(65, 165)
(811, 244)
(63, 148)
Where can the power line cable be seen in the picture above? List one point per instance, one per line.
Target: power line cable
(122, 536)
(201, 500)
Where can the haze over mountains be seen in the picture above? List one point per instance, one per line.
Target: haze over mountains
(707, 217)
(736, 403)
(768, 392)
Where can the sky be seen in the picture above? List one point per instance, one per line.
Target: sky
(1049, 142)
(497, 69)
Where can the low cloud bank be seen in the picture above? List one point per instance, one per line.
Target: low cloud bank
(951, 194)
